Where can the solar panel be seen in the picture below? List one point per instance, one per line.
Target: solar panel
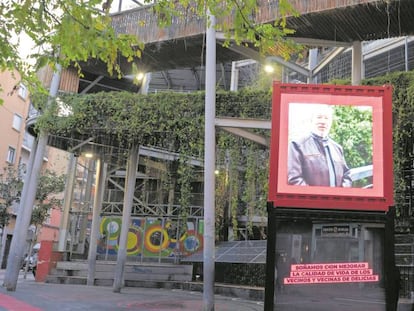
(252, 251)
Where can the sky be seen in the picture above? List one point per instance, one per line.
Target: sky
(126, 5)
(26, 44)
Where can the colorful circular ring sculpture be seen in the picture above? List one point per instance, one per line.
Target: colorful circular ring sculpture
(192, 242)
(149, 245)
(112, 227)
(134, 241)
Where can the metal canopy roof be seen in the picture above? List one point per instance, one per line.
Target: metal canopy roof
(175, 55)
(349, 21)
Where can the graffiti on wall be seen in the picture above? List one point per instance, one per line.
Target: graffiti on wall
(152, 237)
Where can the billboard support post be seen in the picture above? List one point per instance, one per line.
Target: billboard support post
(391, 271)
(285, 222)
(270, 258)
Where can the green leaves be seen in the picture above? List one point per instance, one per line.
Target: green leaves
(4, 216)
(72, 32)
(403, 138)
(10, 189)
(11, 186)
(174, 122)
(352, 129)
(49, 183)
(67, 32)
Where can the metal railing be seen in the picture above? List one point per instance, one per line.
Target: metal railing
(406, 281)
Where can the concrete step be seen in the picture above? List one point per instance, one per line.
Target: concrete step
(72, 272)
(58, 279)
(129, 267)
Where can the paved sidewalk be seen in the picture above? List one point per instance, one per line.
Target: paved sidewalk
(33, 296)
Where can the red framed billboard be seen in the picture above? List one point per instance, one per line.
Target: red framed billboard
(331, 147)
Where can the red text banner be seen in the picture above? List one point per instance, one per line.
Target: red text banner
(348, 272)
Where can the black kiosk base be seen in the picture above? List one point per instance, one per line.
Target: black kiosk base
(324, 260)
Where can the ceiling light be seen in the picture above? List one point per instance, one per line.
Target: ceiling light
(269, 68)
(139, 76)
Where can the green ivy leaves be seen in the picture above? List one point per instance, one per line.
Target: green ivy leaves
(175, 122)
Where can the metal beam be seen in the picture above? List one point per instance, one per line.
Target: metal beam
(243, 123)
(167, 78)
(386, 45)
(81, 144)
(330, 57)
(304, 41)
(196, 78)
(91, 85)
(248, 135)
(223, 75)
(166, 155)
(255, 55)
(134, 197)
(321, 42)
(246, 52)
(304, 71)
(236, 126)
(244, 62)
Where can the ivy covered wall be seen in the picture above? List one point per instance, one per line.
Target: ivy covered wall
(174, 122)
(403, 144)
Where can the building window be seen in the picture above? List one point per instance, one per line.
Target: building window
(23, 91)
(17, 122)
(11, 155)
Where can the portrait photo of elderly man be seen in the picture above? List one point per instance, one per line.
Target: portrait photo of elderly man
(315, 159)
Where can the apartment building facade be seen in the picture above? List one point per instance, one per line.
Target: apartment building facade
(15, 143)
(15, 148)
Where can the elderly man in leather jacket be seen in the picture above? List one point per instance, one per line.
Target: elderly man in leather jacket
(317, 160)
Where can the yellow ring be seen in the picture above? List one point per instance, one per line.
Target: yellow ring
(156, 248)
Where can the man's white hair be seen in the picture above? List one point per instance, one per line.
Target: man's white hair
(318, 108)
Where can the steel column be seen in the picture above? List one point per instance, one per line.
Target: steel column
(100, 181)
(67, 204)
(357, 63)
(132, 166)
(209, 166)
(18, 243)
